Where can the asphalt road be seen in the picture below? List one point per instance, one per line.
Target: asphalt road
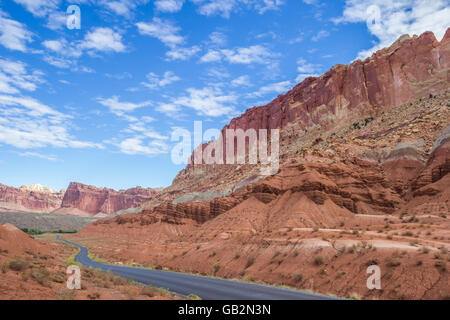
(204, 287)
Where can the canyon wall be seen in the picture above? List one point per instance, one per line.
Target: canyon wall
(78, 199)
(413, 67)
(92, 200)
(26, 199)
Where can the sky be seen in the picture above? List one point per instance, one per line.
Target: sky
(98, 104)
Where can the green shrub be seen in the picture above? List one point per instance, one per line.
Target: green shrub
(440, 265)
(276, 254)
(18, 264)
(216, 267)
(390, 262)
(250, 262)
(94, 296)
(425, 250)
(372, 262)
(148, 291)
(58, 278)
(298, 277)
(119, 281)
(65, 294)
(41, 276)
(318, 260)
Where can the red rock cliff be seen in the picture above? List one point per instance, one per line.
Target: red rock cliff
(23, 200)
(95, 200)
(410, 69)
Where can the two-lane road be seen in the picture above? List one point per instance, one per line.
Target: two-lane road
(204, 287)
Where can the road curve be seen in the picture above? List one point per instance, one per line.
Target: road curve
(204, 287)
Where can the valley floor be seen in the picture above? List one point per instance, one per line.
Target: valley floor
(413, 255)
(35, 269)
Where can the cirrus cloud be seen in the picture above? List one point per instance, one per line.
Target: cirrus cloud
(388, 20)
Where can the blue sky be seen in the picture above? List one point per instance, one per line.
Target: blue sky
(98, 105)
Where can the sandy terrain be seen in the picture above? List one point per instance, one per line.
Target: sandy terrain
(36, 269)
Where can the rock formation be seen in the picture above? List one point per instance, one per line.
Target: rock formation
(408, 70)
(94, 200)
(78, 199)
(28, 199)
(412, 68)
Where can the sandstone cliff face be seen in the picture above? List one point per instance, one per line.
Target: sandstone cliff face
(410, 71)
(94, 200)
(438, 165)
(25, 200)
(78, 199)
(411, 68)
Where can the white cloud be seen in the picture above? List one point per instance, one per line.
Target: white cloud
(320, 35)
(163, 30)
(168, 109)
(119, 76)
(14, 76)
(211, 56)
(122, 7)
(64, 54)
(54, 45)
(26, 123)
(56, 20)
(86, 69)
(38, 155)
(241, 81)
(169, 5)
(303, 76)
(218, 38)
(216, 7)
(218, 72)
(168, 33)
(208, 101)
(154, 81)
(137, 146)
(13, 35)
(243, 55)
(307, 69)
(118, 7)
(182, 53)
(39, 8)
(96, 40)
(34, 108)
(298, 39)
(388, 20)
(267, 5)
(120, 108)
(103, 39)
(63, 48)
(253, 54)
(225, 7)
(147, 132)
(279, 87)
(58, 62)
(311, 2)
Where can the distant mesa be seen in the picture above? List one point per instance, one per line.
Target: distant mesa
(78, 199)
